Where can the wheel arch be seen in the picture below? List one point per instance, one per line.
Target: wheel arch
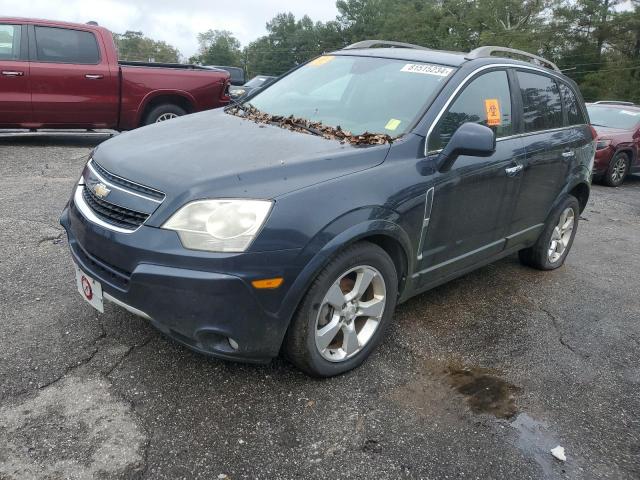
(386, 234)
(581, 191)
(181, 99)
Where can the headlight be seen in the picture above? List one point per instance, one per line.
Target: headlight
(219, 225)
(237, 92)
(602, 144)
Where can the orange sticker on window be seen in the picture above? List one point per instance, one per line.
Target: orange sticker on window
(492, 107)
(321, 60)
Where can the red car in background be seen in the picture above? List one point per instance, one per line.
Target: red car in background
(618, 143)
(67, 75)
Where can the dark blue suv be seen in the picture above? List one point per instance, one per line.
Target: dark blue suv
(297, 220)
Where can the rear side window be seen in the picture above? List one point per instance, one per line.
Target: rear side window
(486, 100)
(574, 112)
(541, 101)
(10, 42)
(62, 45)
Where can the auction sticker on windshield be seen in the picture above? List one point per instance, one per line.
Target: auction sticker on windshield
(427, 69)
(90, 289)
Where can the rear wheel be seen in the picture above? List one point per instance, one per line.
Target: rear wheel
(345, 312)
(617, 171)
(553, 245)
(164, 112)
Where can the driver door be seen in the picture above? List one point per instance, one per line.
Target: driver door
(469, 207)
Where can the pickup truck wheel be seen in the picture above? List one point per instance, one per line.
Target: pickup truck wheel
(553, 245)
(617, 171)
(163, 112)
(345, 312)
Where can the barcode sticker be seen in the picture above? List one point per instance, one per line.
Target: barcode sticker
(427, 69)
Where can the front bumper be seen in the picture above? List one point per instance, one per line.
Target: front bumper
(602, 159)
(200, 299)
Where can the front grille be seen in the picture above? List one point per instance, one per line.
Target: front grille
(113, 214)
(123, 182)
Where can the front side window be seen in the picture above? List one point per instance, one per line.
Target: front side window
(357, 94)
(63, 45)
(541, 101)
(574, 112)
(486, 100)
(10, 42)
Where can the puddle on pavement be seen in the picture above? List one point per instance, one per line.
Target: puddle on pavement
(481, 388)
(484, 391)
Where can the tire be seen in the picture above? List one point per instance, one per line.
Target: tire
(159, 113)
(315, 314)
(617, 171)
(539, 255)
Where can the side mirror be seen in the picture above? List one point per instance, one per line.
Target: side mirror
(469, 139)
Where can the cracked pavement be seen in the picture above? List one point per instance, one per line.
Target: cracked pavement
(479, 378)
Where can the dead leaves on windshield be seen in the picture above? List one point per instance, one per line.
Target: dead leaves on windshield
(305, 126)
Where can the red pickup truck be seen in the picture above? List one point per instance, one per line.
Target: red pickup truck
(67, 75)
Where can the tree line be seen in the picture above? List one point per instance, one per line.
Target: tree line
(595, 42)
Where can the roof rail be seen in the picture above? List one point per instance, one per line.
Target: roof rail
(483, 52)
(383, 43)
(614, 102)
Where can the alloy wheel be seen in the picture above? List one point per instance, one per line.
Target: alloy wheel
(166, 116)
(350, 313)
(619, 170)
(561, 235)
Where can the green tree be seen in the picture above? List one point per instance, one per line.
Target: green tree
(218, 47)
(134, 46)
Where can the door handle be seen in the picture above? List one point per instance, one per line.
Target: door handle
(12, 73)
(569, 154)
(513, 171)
(91, 76)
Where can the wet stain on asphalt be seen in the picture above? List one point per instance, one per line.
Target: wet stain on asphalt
(484, 391)
(481, 389)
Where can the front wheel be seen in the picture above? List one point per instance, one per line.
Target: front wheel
(553, 245)
(617, 171)
(343, 316)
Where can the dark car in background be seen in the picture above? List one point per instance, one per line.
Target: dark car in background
(618, 146)
(256, 83)
(297, 223)
(67, 75)
(237, 73)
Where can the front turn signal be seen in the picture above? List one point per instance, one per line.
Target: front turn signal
(267, 283)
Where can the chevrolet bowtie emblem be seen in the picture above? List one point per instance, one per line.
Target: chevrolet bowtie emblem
(101, 190)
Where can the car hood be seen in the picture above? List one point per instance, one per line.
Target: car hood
(609, 132)
(217, 155)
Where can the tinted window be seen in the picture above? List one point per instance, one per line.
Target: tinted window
(10, 42)
(574, 112)
(486, 100)
(66, 46)
(541, 101)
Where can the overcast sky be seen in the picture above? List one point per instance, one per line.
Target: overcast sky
(175, 21)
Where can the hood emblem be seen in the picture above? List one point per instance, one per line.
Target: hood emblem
(101, 190)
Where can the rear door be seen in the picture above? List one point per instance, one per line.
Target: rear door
(469, 208)
(72, 84)
(15, 88)
(550, 149)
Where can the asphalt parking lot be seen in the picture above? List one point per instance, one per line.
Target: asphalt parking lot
(479, 378)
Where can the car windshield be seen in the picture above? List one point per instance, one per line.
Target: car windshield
(256, 82)
(357, 94)
(614, 117)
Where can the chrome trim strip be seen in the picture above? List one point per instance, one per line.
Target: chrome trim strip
(86, 211)
(428, 205)
(464, 83)
(128, 308)
(107, 182)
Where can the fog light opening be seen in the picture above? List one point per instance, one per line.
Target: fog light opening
(233, 344)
